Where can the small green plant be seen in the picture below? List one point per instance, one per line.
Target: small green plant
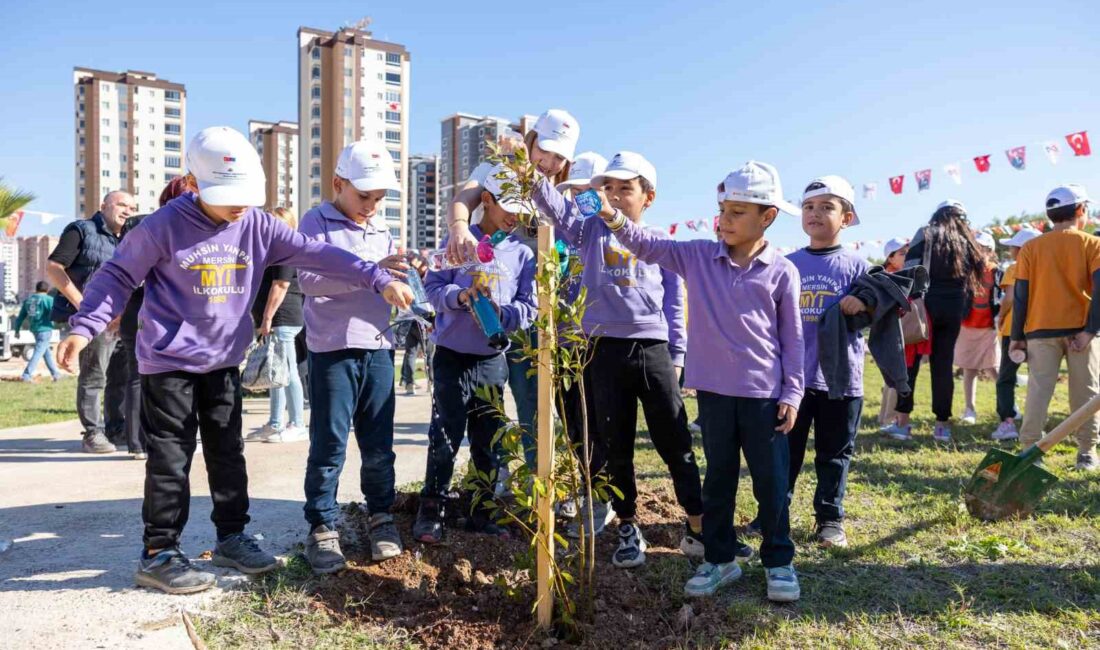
(994, 547)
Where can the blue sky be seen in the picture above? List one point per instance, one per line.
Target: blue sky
(860, 89)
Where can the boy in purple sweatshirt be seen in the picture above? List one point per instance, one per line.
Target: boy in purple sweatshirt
(745, 362)
(464, 361)
(351, 359)
(635, 317)
(202, 259)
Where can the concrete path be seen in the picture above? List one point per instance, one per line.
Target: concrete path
(66, 582)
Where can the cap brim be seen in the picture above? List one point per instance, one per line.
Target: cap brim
(513, 207)
(788, 207)
(372, 184)
(250, 194)
(618, 174)
(573, 182)
(559, 147)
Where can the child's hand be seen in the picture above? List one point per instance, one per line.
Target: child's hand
(606, 211)
(398, 294)
(68, 352)
(396, 265)
(787, 415)
(1080, 341)
(467, 294)
(850, 305)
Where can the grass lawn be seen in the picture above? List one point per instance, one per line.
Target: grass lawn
(919, 572)
(26, 404)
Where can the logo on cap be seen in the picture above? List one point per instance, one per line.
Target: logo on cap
(228, 159)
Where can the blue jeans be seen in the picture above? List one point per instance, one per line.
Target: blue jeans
(346, 388)
(525, 391)
(290, 396)
(41, 349)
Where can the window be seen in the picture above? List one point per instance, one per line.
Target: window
(168, 177)
(137, 140)
(393, 194)
(315, 92)
(106, 121)
(105, 138)
(82, 141)
(348, 72)
(316, 72)
(81, 108)
(315, 191)
(106, 173)
(315, 170)
(394, 117)
(316, 54)
(106, 105)
(122, 175)
(172, 161)
(82, 173)
(173, 129)
(152, 161)
(171, 145)
(315, 112)
(347, 52)
(152, 109)
(124, 157)
(347, 93)
(125, 125)
(105, 87)
(81, 124)
(122, 106)
(421, 167)
(152, 127)
(392, 96)
(152, 93)
(396, 155)
(394, 231)
(315, 132)
(421, 190)
(393, 212)
(170, 111)
(172, 95)
(393, 59)
(393, 78)
(393, 136)
(316, 151)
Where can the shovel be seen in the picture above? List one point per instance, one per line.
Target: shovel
(1005, 485)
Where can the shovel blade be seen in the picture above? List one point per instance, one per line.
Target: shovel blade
(1006, 485)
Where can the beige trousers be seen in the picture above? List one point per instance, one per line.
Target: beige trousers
(1044, 359)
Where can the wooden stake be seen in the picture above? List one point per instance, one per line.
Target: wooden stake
(545, 434)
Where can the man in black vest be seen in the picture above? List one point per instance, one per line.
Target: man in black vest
(85, 246)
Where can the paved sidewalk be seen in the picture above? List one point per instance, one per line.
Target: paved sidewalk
(67, 582)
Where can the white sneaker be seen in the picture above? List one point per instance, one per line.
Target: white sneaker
(782, 584)
(263, 433)
(292, 433)
(1006, 431)
(198, 445)
(970, 417)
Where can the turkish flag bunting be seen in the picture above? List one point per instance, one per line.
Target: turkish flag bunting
(691, 225)
(982, 163)
(1079, 142)
(672, 229)
(896, 184)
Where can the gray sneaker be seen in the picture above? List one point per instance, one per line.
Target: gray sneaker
(1087, 462)
(97, 443)
(323, 550)
(602, 515)
(171, 572)
(385, 541)
(241, 552)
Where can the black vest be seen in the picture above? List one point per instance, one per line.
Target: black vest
(97, 245)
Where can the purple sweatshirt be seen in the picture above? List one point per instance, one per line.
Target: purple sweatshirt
(341, 315)
(512, 280)
(200, 281)
(628, 298)
(827, 275)
(745, 329)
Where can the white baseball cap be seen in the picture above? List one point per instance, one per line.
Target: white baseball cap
(836, 186)
(368, 166)
(1070, 194)
(894, 245)
(587, 165)
(494, 185)
(756, 182)
(985, 240)
(1022, 236)
(626, 165)
(558, 132)
(227, 168)
(952, 203)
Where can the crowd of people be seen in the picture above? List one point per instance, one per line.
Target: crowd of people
(216, 271)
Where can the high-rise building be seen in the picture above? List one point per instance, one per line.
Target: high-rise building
(423, 231)
(277, 144)
(129, 136)
(351, 87)
(34, 256)
(9, 270)
(464, 144)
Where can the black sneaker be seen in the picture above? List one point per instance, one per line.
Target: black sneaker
(743, 553)
(752, 529)
(831, 533)
(632, 546)
(241, 552)
(428, 527)
(171, 572)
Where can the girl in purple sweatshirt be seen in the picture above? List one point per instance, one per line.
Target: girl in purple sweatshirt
(202, 259)
(635, 318)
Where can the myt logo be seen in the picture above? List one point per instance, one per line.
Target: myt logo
(216, 275)
(616, 257)
(814, 299)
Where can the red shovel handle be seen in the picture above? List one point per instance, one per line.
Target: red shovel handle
(1071, 423)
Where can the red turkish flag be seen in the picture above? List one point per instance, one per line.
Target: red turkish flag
(896, 184)
(1079, 142)
(982, 163)
(715, 224)
(672, 229)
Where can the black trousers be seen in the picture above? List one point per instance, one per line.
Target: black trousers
(624, 372)
(1006, 383)
(457, 412)
(835, 423)
(732, 426)
(946, 312)
(135, 440)
(174, 407)
(114, 395)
